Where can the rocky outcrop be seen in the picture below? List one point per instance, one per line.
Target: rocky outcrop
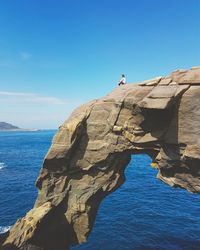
(90, 151)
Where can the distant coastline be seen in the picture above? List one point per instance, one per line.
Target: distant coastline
(5, 127)
(21, 130)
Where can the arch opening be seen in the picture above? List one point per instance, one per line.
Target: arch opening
(140, 214)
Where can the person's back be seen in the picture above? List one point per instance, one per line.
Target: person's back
(122, 81)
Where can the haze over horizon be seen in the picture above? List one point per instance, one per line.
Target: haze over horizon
(55, 56)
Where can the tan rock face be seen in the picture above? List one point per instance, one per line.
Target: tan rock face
(91, 149)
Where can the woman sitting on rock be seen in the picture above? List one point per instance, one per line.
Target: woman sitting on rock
(122, 81)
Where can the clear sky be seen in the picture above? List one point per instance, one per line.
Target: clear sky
(57, 54)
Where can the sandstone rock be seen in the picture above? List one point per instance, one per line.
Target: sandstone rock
(191, 77)
(165, 81)
(184, 126)
(177, 74)
(91, 149)
(162, 97)
(151, 82)
(192, 151)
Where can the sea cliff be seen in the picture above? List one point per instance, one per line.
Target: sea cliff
(91, 149)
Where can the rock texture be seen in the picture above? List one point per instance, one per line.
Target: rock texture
(88, 155)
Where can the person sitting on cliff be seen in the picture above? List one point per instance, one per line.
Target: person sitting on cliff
(122, 81)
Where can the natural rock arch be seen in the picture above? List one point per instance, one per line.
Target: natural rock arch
(88, 155)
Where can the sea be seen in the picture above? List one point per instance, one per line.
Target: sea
(143, 214)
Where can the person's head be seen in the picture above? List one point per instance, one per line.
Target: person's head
(123, 75)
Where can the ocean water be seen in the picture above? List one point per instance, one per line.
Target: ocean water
(143, 214)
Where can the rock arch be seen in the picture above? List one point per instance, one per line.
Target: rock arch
(91, 149)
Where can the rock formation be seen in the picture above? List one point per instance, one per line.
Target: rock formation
(88, 155)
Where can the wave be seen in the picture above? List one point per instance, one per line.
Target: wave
(2, 165)
(4, 229)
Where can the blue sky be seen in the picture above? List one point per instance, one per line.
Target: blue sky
(56, 55)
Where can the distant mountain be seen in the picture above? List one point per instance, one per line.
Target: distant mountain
(4, 126)
(8, 126)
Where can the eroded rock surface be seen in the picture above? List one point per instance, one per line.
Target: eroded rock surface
(88, 155)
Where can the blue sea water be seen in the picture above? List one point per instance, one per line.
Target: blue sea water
(143, 214)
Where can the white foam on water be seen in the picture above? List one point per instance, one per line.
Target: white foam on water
(2, 165)
(4, 229)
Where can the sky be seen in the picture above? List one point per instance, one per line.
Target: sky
(58, 54)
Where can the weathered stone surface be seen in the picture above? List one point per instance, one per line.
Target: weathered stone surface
(185, 124)
(165, 81)
(91, 149)
(191, 77)
(162, 97)
(151, 82)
